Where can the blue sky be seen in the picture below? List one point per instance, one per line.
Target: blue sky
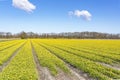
(53, 16)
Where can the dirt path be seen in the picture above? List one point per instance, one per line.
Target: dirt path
(43, 73)
(75, 73)
(71, 76)
(8, 61)
(80, 75)
(36, 62)
(111, 66)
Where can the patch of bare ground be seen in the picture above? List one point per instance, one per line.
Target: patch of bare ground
(8, 61)
(116, 67)
(74, 75)
(62, 75)
(80, 75)
(43, 73)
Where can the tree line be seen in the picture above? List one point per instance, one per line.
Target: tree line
(69, 35)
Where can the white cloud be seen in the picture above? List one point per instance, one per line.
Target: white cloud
(24, 5)
(82, 14)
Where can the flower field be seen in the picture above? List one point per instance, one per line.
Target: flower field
(60, 59)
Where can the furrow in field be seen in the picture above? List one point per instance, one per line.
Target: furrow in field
(95, 49)
(80, 75)
(117, 67)
(106, 58)
(9, 45)
(64, 76)
(72, 76)
(95, 70)
(6, 54)
(11, 57)
(86, 55)
(43, 73)
(22, 66)
(46, 59)
(111, 50)
(2, 44)
(75, 73)
(67, 62)
(40, 70)
(83, 46)
(105, 46)
(102, 50)
(114, 57)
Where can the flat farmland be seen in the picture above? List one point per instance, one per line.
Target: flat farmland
(60, 59)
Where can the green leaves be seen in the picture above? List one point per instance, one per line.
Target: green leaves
(47, 59)
(22, 66)
(85, 61)
(54, 54)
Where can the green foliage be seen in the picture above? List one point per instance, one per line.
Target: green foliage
(23, 35)
(22, 67)
(49, 60)
(82, 60)
(85, 55)
(5, 54)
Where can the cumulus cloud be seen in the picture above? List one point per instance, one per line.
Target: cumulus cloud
(81, 14)
(24, 5)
